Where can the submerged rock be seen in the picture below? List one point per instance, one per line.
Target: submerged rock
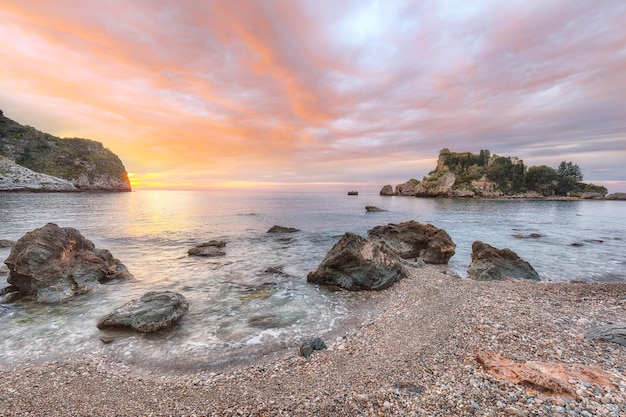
(282, 229)
(355, 263)
(373, 208)
(152, 312)
(53, 264)
(416, 240)
(492, 264)
(208, 249)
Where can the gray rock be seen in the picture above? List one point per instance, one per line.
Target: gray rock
(615, 332)
(373, 208)
(310, 345)
(355, 263)
(282, 229)
(152, 312)
(491, 264)
(53, 264)
(416, 240)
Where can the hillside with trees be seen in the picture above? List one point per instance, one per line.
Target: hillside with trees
(467, 174)
(86, 164)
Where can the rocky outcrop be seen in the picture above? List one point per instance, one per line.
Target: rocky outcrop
(14, 177)
(615, 332)
(440, 186)
(355, 263)
(53, 264)
(491, 264)
(373, 208)
(414, 240)
(548, 378)
(616, 196)
(408, 188)
(387, 190)
(282, 229)
(152, 312)
(208, 249)
(86, 164)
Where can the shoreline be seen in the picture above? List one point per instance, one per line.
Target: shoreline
(416, 355)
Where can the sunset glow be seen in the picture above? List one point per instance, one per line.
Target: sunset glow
(291, 94)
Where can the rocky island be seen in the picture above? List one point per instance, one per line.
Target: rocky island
(31, 160)
(467, 174)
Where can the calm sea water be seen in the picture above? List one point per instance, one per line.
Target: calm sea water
(236, 308)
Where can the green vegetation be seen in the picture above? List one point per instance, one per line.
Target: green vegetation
(82, 161)
(509, 175)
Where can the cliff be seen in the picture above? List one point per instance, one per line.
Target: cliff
(467, 174)
(87, 165)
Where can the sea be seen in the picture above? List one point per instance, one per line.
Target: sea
(255, 300)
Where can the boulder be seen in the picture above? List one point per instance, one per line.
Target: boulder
(615, 332)
(353, 193)
(155, 310)
(311, 344)
(208, 249)
(53, 264)
(416, 240)
(373, 208)
(282, 229)
(387, 190)
(491, 264)
(355, 263)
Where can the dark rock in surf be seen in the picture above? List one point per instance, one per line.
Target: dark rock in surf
(491, 264)
(208, 249)
(530, 236)
(355, 263)
(615, 332)
(416, 240)
(152, 312)
(353, 193)
(53, 264)
(373, 209)
(281, 229)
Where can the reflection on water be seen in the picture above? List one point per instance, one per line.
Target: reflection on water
(256, 295)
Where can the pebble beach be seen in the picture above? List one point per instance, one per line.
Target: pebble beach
(414, 354)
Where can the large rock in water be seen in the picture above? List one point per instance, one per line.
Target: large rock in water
(416, 240)
(491, 264)
(152, 312)
(53, 263)
(355, 263)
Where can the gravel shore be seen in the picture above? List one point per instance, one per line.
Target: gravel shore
(415, 355)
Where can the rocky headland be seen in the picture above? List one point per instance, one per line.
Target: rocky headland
(469, 175)
(31, 160)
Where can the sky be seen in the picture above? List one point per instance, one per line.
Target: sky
(328, 94)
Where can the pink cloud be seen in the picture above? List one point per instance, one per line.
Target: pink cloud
(303, 92)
